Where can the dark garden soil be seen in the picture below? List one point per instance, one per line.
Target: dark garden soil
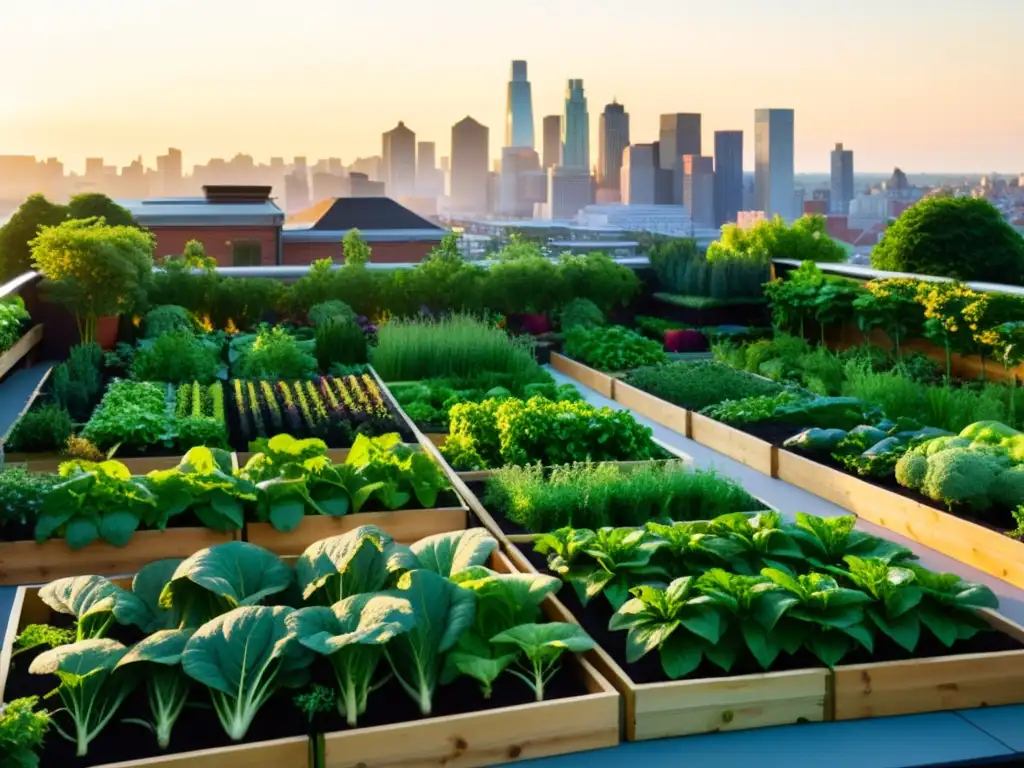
(594, 618)
(773, 432)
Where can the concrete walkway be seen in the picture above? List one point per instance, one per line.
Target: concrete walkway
(15, 390)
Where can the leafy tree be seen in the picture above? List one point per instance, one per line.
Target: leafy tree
(518, 247)
(15, 254)
(805, 240)
(959, 237)
(93, 205)
(94, 269)
(354, 249)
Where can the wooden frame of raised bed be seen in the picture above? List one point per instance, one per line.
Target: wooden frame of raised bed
(987, 550)
(485, 738)
(21, 349)
(602, 383)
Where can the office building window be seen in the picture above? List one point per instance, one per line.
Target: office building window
(246, 253)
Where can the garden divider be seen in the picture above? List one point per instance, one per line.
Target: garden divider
(22, 348)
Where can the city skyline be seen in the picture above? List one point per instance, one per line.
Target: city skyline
(275, 82)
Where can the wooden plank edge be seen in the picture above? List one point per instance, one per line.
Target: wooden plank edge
(22, 347)
(31, 399)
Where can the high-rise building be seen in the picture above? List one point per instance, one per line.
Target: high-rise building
(327, 185)
(360, 185)
(519, 109)
(400, 161)
(576, 128)
(168, 174)
(470, 182)
(842, 179)
(728, 176)
(552, 141)
(426, 158)
(613, 138)
(520, 187)
(773, 162)
(570, 190)
(699, 189)
(679, 135)
(639, 175)
(429, 179)
(296, 191)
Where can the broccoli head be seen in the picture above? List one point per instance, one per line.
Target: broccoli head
(911, 469)
(962, 476)
(1008, 490)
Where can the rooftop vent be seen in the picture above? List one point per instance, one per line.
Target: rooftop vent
(223, 193)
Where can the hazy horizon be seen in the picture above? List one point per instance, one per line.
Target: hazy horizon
(922, 88)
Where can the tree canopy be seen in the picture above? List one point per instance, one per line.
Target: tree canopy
(805, 240)
(959, 237)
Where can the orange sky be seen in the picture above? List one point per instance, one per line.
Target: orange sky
(935, 86)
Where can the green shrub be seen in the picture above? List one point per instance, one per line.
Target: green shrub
(696, 385)
(21, 496)
(132, 414)
(587, 495)
(581, 312)
(526, 285)
(177, 357)
(340, 340)
(242, 301)
(275, 355)
(42, 430)
(655, 327)
(612, 348)
(22, 731)
(167, 318)
(318, 314)
(597, 278)
(12, 316)
(76, 383)
(457, 345)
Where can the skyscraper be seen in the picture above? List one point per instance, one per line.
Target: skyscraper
(773, 162)
(400, 161)
(552, 141)
(639, 175)
(842, 179)
(699, 189)
(679, 135)
(470, 180)
(522, 183)
(429, 180)
(519, 111)
(728, 176)
(613, 138)
(576, 128)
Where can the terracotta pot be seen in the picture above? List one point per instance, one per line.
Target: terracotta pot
(535, 324)
(107, 330)
(685, 341)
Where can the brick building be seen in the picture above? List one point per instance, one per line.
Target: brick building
(242, 226)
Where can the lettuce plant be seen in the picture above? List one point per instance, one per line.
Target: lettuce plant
(148, 584)
(362, 560)
(167, 686)
(678, 621)
(96, 603)
(543, 645)
(949, 604)
(621, 558)
(217, 579)
(827, 540)
(204, 482)
(763, 540)
(91, 688)
(244, 657)
(688, 547)
(446, 554)
(352, 634)
(443, 611)
(403, 472)
(94, 501)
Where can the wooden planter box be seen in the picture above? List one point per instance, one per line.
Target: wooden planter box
(21, 348)
(734, 443)
(654, 408)
(280, 753)
(26, 562)
(933, 685)
(585, 375)
(50, 462)
(494, 737)
(405, 526)
(987, 550)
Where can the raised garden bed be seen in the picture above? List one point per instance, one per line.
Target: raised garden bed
(602, 383)
(981, 547)
(22, 348)
(580, 712)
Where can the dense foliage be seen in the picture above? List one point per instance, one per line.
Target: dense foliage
(612, 348)
(806, 239)
(696, 385)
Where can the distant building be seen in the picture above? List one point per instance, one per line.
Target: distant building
(576, 128)
(523, 183)
(748, 219)
(815, 208)
(671, 220)
(429, 180)
(639, 175)
(679, 135)
(570, 190)
(613, 138)
(399, 146)
(470, 183)
(842, 179)
(325, 185)
(296, 190)
(699, 189)
(773, 169)
(552, 141)
(360, 185)
(519, 109)
(728, 176)
(372, 167)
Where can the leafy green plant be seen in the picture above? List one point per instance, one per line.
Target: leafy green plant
(697, 385)
(91, 688)
(340, 341)
(543, 646)
(175, 357)
(320, 313)
(243, 658)
(203, 483)
(167, 686)
(167, 318)
(96, 603)
(581, 312)
(827, 540)
(95, 501)
(22, 731)
(22, 495)
(36, 635)
(274, 354)
(612, 348)
(131, 414)
(751, 410)
(12, 317)
(42, 429)
(76, 384)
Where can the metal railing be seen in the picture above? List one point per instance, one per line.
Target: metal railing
(18, 284)
(867, 273)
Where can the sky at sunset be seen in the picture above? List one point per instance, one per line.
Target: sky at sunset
(929, 85)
